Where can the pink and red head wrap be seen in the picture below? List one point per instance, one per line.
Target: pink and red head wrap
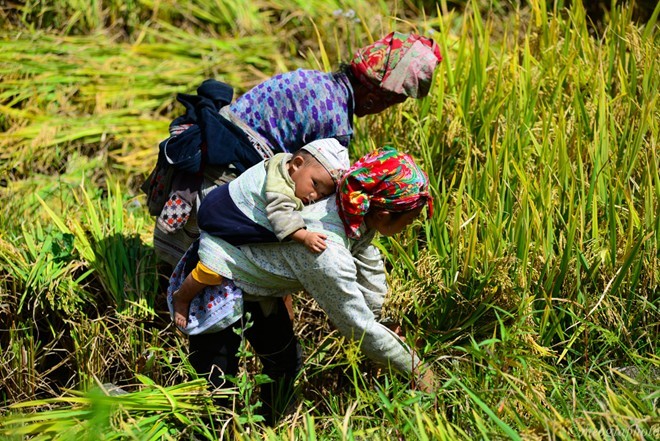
(385, 179)
(398, 63)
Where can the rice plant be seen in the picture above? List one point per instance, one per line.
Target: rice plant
(533, 291)
(153, 412)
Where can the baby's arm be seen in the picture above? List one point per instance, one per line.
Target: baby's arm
(315, 242)
(282, 205)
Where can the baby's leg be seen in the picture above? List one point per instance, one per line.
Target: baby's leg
(181, 306)
(182, 297)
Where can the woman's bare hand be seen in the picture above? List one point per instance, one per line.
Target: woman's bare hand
(425, 379)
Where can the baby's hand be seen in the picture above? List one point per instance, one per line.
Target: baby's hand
(315, 242)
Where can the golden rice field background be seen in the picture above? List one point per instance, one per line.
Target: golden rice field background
(533, 292)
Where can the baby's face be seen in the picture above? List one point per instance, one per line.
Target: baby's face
(313, 182)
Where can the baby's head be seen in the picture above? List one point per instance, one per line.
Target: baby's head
(316, 167)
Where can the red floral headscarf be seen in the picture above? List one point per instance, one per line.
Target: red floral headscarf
(398, 63)
(384, 179)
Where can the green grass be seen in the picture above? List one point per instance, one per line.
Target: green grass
(534, 291)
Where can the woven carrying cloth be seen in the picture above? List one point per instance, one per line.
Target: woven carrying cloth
(215, 308)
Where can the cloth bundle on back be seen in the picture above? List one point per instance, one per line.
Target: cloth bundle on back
(198, 138)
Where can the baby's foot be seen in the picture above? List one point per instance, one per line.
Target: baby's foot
(181, 307)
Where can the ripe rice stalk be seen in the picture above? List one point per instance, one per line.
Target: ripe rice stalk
(509, 431)
(72, 91)
(22, 351)
(538, 272)
(100, 411)
(43, 272)
(121, 263)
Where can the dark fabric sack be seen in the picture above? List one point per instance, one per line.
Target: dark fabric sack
(157, 187)
(208, 139)
(183, 146)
